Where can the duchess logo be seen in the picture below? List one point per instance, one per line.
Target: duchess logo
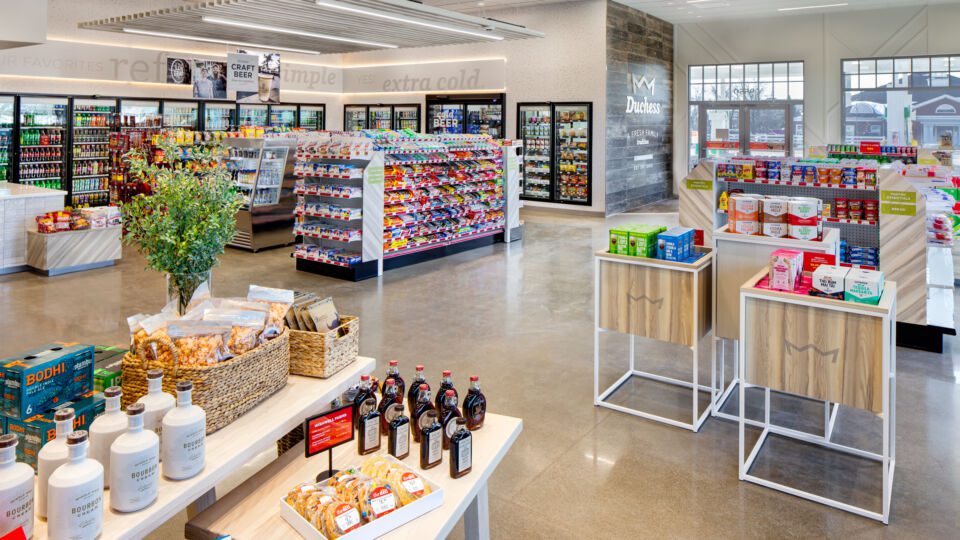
(643, 82)
(642, 106)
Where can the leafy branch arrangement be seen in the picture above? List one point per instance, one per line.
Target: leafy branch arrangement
(186, 223)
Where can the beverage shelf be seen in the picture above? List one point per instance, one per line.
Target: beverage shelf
(92, 176)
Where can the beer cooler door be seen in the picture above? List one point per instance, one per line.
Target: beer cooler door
(139, 114)
(354, 117)
(311, 117)
(43, 139)
(379, 117)
(535, 128)
(406, 117)
(573, 145)
(445, 118)
(181, 114)
(252, 115)
(485, 119)
(94, 120)
(284, 116)
(219, 116)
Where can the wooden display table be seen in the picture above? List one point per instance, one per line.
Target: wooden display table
(73, 251)
(252, 510)
(836, 352)
(655, 299)
(230, 448)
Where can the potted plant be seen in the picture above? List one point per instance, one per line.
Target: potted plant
(185, 224)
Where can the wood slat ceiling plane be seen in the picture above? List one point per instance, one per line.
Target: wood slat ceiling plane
(290, 22)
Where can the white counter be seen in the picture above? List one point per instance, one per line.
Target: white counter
(19, 207)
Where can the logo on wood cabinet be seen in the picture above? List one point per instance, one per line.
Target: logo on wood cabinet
(658, 302)
(831, 355)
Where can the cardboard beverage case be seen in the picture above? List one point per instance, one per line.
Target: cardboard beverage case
(36, 431)
(863, 286)
(41, 379)
(829, 281)
(785, 268)
(643, 240)
(620, 241)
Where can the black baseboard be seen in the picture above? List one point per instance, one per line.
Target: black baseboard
(922, 337)
(440, 251)
(357, 272)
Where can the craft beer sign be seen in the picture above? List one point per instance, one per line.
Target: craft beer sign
(242, 70)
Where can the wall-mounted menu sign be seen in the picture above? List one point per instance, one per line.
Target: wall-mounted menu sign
(328, 430)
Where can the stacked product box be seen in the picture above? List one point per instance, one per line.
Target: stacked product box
(676, 244)
(655, 242)
(859, 255)
(799, 218)
(38, 430)
(850, 284)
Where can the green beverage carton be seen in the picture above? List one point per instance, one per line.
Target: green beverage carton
(36, 431)
(620, 240)
(41, 379)
(106, 377)
(643, 240)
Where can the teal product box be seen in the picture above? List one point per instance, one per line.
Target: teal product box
(41, 379)
(863, 286)
(38, 430)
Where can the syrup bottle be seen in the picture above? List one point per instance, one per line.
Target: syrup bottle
(474, 405)
(413, 393)
(446, 383)
(368, 428)
(448, 416)
(393, 372)
(389, 397)
(431, 445)
(398, 438)
(363, 393)
(424, 404)
(461, 450)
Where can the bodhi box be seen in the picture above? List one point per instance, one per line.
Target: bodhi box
(41, 379)
(36, 431)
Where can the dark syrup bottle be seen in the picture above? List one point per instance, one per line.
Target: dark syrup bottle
(446, 383)
(363, 393)
(461, 450)
(418, 380)
(368, 428)
(388, 398)
(423, 405)
(431, 445)
(398, 437)
(393, 372)
(448, 417)
(474, 405)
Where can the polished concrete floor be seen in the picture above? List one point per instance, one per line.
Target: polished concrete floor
(521, 317)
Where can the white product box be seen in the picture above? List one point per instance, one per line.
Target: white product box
(863, 286)
(829, 281)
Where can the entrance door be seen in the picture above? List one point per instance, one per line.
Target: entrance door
(768, 133)
(720, 136)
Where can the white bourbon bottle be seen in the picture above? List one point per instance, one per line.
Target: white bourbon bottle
(105, 429)
(16, 489)
(183, 446)
(75, 497)
(52, 455)
(157, 402)
(134, 465)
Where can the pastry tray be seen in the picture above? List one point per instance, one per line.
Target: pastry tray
(377, 528)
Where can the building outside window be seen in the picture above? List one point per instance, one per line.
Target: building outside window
(753, 109)
(900, 100)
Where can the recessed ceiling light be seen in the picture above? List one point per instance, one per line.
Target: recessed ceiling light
(213, 40)
(225, 22)
(371, 13)
(812, 7)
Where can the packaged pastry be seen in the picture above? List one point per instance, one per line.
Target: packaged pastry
(297, 497)
(279, 301)
(200, 343)
(340, 518)
(408, 484)
(246, 327)
(377, 498)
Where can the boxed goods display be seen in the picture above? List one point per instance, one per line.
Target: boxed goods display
(786, 265)
(367, 502)
(744, 214)
(620, 241)
(829, 282)
(675, 244)
(38, 430)
(43, 378)
(863, 286)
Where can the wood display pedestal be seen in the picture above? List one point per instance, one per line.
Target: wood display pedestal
(73, 251)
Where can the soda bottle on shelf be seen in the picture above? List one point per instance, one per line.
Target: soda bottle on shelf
(446, 383)
(474, 405)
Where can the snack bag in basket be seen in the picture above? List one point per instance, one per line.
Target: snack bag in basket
(246, 327)
(324, 316)
(199, 343)
(137, 333)
(279, 300)
(196, 312)
(155, 326)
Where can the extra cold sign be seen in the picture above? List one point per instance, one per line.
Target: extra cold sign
(242, 72)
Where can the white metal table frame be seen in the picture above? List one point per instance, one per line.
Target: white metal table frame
(599, 398)
(888, 454)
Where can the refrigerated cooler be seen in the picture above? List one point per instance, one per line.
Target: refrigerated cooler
(219, 116)
(142, 114)
(557, 151)
(181, 114)
(42, 127)
(406, 117)
(354, 117)
(478, 114)
(263, 172)
(251, 115)
(313, 117)
(6, 137)
(93, 122)
(379, 117)
(284, 116)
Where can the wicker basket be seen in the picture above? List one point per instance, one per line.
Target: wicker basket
(225, 390)
(317, 354)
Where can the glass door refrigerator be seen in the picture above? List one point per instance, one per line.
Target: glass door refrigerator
(43, 125)
(406, 117)
(181, 115)
(93, 122)
(444, 118)
(6, 137)
(139, 114)
(283, 116)
(219, 116)
(469, 113)
(535, 128)
(485, 119)
(573, 145)
(379, 117)
(251, 115)
(313, 117)
(354, 117)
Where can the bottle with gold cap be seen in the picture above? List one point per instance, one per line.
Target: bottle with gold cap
(157, 403)
(16, 489)
(183, 446)
(75, 497)
(105, 429)
(134, 464)
(52, 455)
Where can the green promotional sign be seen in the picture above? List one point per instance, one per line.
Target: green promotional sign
(898, 209)
(696, 183)
(374, 176)
(907, 197)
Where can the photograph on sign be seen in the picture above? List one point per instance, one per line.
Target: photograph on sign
(268, 80)
(328, 430)
(209, 79)
(178, 71)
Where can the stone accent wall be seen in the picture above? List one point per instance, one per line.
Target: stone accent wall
(639, 115)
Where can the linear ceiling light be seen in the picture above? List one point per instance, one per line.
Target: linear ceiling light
(370, 13)
(798, 8)
(212, 40)
(225, 22)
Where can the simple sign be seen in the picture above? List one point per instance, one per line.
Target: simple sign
(242, 72)
(696, 183)
(898, 203)
(328, 430)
